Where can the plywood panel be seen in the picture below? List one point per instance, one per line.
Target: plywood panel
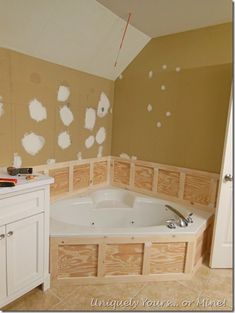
(201, 246)
(168, 182)
(61, 184)
(197, 189)
(143, 177)
(81, 176)
(77, 260)
(100, 172)
(167, 257)
(121, 172)
(123, 259)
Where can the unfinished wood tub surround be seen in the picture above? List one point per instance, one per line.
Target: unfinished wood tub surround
(107, 259)
(131, 258)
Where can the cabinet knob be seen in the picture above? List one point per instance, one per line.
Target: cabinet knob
(2, 236)
(10, 233)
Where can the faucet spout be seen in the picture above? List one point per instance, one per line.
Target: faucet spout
(182, 220)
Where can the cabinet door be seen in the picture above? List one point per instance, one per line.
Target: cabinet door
(24, 252)
(3, 274)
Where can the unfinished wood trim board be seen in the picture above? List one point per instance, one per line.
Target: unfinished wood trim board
(186, 186)
(110, 259)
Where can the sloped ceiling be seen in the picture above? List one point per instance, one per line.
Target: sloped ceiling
(81, 34)
(162, 17)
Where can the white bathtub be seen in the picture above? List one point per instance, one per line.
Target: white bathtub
(114, 211)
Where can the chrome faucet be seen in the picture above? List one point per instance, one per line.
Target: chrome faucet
(182, 221)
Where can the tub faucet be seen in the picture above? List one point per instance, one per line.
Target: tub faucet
(182, 221)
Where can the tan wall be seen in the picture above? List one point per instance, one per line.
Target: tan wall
(23, 78)
(197, 97)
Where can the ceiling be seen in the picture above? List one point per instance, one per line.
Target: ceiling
(162, 17)
(81, 34)
(86, 34)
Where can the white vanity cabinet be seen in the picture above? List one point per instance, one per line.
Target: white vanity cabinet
(24, 238)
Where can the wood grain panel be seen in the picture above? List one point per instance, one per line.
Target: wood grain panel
(61, 184)
(197, 189)
(77, 260)
(123, 259)
(121, 172)
(100, 172)
(201, 246)
(143, 177)
(81, 176)
(168, 182)
(167, 257)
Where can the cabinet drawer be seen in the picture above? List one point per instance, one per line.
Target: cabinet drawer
(21, 206)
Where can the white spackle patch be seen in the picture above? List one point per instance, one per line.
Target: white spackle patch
(51, 161)
(89, 142)
(103, 105)
(159, 124)
(79, 156)
(100, 135)
(17, 161)
(168, 113)
(163, 87)
(149, 107)
(164, 66)
(66, 115)
(178, 69)
(100, 152)
(64, 140)
(150, 74)
(134, 158)
(90, 118)
(120, 76)
(37, 111)
(124, 156)
(32, 143)
(1, 107)
(63, 93)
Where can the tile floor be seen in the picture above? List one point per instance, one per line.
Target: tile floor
(207, 284)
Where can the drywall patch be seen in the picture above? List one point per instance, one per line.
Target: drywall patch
(103, 105)
(89, 142)
(178, 69)
(90, 118)
(100, 135)
(37, 111)
(32, 143)
(66, 115)
(51, 161)
(164, 66)
(63, 93)
(159, 124)
(149, 107)
(124, 156)
(100, 152)
(1, 107)
(150, 74)
(163, 87)
(17, 160)
(64, 140)
(120, 76)
(79, 156)
(168, 113)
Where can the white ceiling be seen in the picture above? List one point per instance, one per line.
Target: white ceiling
(162, 17)
(81, 34)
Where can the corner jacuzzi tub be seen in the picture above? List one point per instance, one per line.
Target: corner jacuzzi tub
(114, 234)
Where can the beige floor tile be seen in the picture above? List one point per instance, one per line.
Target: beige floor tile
(198, 280)
(34, 300)
(105, 297)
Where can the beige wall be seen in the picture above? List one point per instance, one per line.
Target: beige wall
(23, 78)
(197, 97)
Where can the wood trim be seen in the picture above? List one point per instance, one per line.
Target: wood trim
(101, 256)
(190, 255)
(146, 262)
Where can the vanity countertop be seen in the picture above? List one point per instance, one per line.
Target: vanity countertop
(23, 183)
